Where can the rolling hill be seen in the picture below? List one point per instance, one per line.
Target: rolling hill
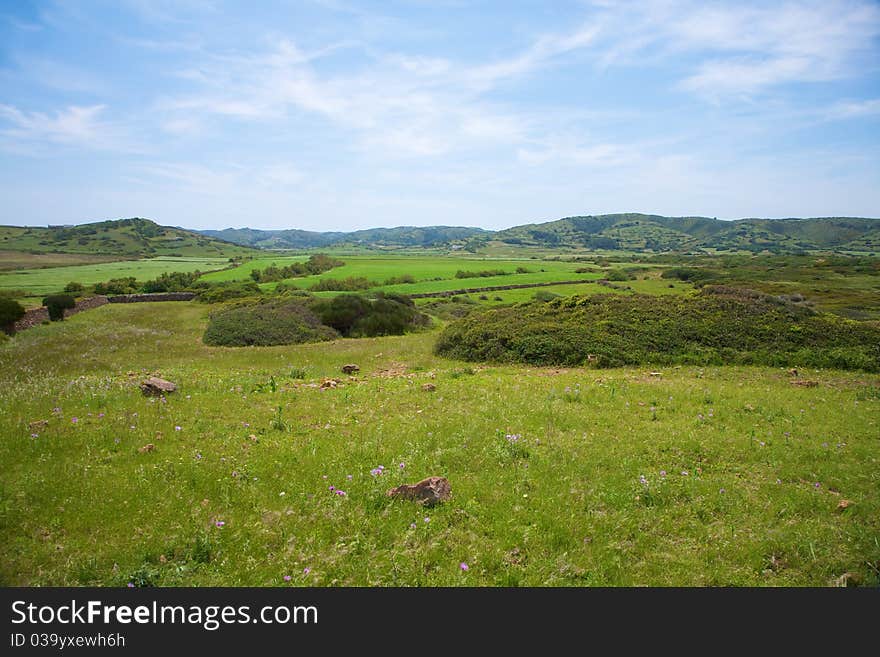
(132, 238)
(641, 232)
(402, 236)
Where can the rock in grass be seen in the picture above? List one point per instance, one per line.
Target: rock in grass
(429, 387)
(149, 447)
(156, 386)
(351, 368)
(427, 492)
(803, 383)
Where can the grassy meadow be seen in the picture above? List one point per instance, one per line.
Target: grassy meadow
(49, 280)
(564, 477)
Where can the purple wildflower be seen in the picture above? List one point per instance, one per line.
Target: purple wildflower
(219, 523)
(663, 473)
(817, 485)
(35, 435)
(100, 415)
(722, 491)
(463, 566)
(306, 570)
(130, 585)
(332, 489)
(412, 525)
(348, 477)
(341, 493)
(74, 420)
(427, 519)
(642, 480)
(177, 428)
(286, 578)
(402, 466)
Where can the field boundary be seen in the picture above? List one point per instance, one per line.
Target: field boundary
(157, 296)
(492, 288)
(36, 316)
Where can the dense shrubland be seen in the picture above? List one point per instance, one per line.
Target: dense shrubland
(293, 319)
(720, 325)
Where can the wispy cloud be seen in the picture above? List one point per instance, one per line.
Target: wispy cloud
(72, 125)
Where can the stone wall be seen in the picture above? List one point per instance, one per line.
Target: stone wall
(494, 288)
(36, 316)
(158, 296)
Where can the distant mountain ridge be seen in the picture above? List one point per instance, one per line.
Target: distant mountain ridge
(414, 236)
(625, 231)
(633, 232)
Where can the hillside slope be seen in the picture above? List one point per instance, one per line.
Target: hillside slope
(637, 232)
(123, 237)
(411, 236)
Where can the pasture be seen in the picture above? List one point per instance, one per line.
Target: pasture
(562, 477)
(39, 282)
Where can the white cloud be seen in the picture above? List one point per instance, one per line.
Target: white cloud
(72, 125)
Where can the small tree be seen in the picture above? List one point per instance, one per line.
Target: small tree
(56, 304)
(10, 312)
(74, 288)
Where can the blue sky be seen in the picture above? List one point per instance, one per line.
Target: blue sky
(338, 115)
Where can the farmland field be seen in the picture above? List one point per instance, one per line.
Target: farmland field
(49, 280)
(682, 476)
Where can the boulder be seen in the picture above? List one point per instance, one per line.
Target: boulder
(351, 368)
(427, 492)
(156, 386)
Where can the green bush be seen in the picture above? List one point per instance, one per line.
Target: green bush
(350, 284)
(220, 292)
(10, 312)
(74, 288)
(722, 325)
(486, 273)
(617, 275)
(286, 321)
(56, 304)
(127, 285)
(357, 316)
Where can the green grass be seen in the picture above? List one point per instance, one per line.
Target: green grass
(423, 269)
(10, 260)
(563, 505)
(46, 281)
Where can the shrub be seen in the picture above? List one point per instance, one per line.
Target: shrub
(127, 285)
(486, 273)
(722, 325)
(10, 312)
(617, 275)
(74, 288)
(690, 274)
(286, 321)
(350, 284)
(220, 292)
(56, 304)
(357, 316)
(399, 280)
(545, 296)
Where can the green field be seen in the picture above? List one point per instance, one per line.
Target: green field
(46, 281)
(380, 268)
(684, 476)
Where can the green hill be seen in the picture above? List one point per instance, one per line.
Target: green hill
(402, 236)
(124, 237)
(641, 232)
